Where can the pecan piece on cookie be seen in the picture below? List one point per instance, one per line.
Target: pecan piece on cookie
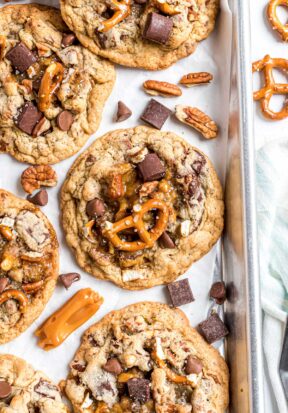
(166, 8)
(198, 78)
(198, 120)
(36, 176)
(166, 89)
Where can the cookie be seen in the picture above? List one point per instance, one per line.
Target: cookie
(23, 389)
(52, 90)
(140, 206)
(28, 264)
(150, 34)
(147, 358)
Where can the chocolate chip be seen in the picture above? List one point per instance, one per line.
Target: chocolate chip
(5, 389)
(213, 328)
(180, 292)
(193, 365)
(151, 168)
(68, 39)
(3, 284)
(21, 57)
(166, 241)
(218, 292)
(28, 117)
(41, 198)
(69, 278)
(123, 112)
(156, 114)
(95, 208)
(79, 367)
(64, 120)
(158, 28)
(139, 389)
(113, 366)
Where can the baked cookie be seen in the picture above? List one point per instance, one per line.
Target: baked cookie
(147, 358)
(140, 206)
(28, 264)
(52, 90)
(23, 389)
(151, 34)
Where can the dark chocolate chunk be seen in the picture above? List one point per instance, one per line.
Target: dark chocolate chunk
(193, 365)
(21, 57)
(193, 186)
(79, 367)
(113, 366)
(64, 120)
(41, 198)
(46, 389)
(69, 278)
(166, 241)
(139, 389)
(218, 292)
(180, 292)
(28, 117)
(213, 329)
(123, 112)
(95, 208)
(3, 283)
(156, 114)
(151, 168)
(68, 39)
(5, 389)
(158, 28)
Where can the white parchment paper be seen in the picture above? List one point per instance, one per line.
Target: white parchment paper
(212, 55)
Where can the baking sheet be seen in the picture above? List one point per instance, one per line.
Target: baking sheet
(212, 55)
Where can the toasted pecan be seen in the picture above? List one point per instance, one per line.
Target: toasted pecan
(36, 176)
(155, 87)
(198, 120)
(198, 78)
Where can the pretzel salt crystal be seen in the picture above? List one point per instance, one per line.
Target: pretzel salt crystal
(50, 82)
(276, 24)
(121, 10)
(15, 295)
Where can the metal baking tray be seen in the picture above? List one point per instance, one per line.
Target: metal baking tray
(240, 253)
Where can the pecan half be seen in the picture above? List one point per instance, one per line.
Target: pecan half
(36, 176)
(197, 120)
(193, 79)
(155, 87)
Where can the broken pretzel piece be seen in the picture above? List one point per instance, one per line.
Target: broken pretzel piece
(36, 176)
(121, 10)
(197, 120)
(274, 20)
(193, 79)
(155, 87)
(50, 82)
(166, 8)
(15, 295)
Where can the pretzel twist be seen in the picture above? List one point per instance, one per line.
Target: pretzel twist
(50, 82)
(148, 238)
(121, 10)
(270, 87)
(276, 24)
(15, 295)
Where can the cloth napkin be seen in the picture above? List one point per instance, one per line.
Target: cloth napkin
(272, 217)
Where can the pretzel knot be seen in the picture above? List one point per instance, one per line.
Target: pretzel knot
(50, 82)
(270, 87)
(276, 24)
(15, 295)
(136, 221)
(121, 11)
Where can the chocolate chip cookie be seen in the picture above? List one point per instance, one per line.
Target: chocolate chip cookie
(140, 206)
(147, 358)
(23, 389)
(52, 90)
(28, 264)
(151, 34)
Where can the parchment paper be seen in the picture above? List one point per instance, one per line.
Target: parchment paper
(212, 55)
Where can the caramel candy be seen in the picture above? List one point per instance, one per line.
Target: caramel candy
(68, 318)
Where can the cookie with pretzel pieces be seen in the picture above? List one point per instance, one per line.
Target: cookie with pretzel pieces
(151, 34)
(140, 206)
(28, 264)
(147, 358)
(52, 90)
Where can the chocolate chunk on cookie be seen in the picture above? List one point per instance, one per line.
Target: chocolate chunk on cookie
(151, 168)
(213, 329)
(28, 117)
(139, 389)
(64, 120)
(166, 241)
(5, 389)
(158, 28)
(113, 366)
(21, 57)
(95, 208)
(180, 292)
(156, 114)
(68, 39)
(193, 365)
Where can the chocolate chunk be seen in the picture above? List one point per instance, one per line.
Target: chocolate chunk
(193, 186)
(218, 292)
(95, 208)
(41, 198)
(140, 1)
(64, 120)
(123, 112)
(166, 241)
(180, 292)
(68, 39)
(113, 366)
(79, 367)
(46, 389)
(158, 28)
(213, 328)
(3, 284)
(28, 117)
(5, 389)
(69, 278)
(156, 114)
(151, 168)
(36, 83)
(139, 389)
(193, 365)
(21, 57)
